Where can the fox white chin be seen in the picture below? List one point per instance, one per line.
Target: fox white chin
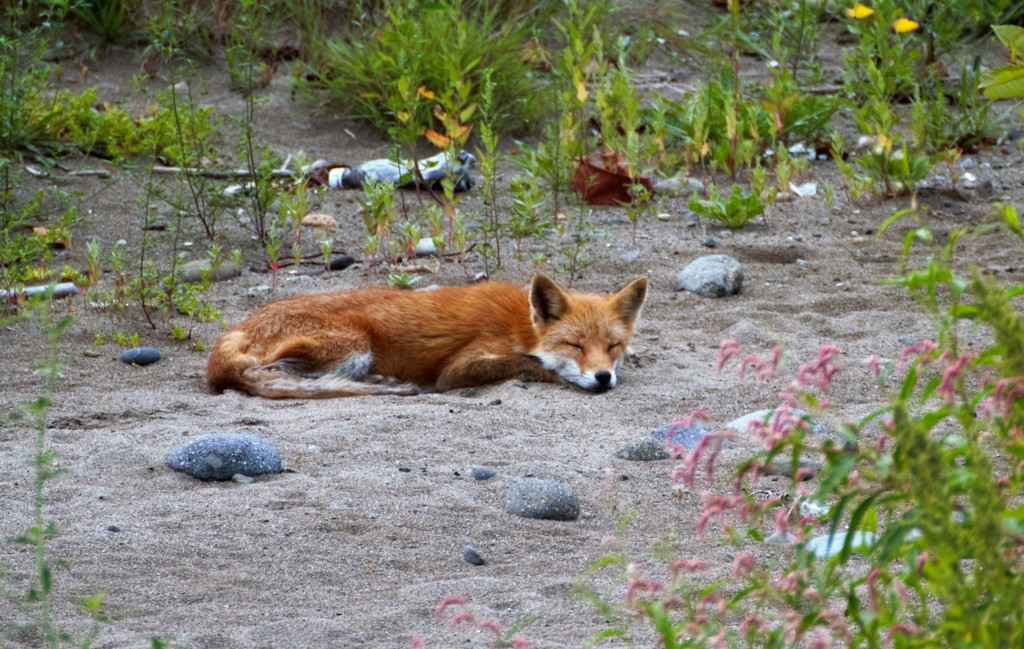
(569, 371)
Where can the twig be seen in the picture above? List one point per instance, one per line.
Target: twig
(221, 174)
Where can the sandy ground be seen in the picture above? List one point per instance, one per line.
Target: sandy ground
(357, 545)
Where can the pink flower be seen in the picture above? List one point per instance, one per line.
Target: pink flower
(726, 350)
(490, 625)
(753, 624)
(1007, 393)
(925, 353)
(451, 600)
(951, 374)
(462, 617)
(743, 565)
(905, 629)
(874, 366)
(873, 589)
(686, 565)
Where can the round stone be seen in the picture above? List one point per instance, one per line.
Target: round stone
(711, 276)
(542, 499)
(140, 356)
(221, 456)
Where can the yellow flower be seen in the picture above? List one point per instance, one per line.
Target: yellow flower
(904, 25)
(860, 11)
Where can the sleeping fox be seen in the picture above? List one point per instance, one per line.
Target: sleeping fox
(393, 341)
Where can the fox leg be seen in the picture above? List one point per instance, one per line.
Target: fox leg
(472, 367)
(322, 365)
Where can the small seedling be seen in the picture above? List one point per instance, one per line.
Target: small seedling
(734, 212)
(402, 280)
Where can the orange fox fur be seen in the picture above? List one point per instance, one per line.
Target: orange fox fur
(391, 341)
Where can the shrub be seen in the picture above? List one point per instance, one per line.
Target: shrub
(391, 74)
(928, 489)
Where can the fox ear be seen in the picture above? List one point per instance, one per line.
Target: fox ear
(547, 300)
(630, 300)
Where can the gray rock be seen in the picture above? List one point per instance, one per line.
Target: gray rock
(470, 554)
(742, 424)
(711, 276)
(783, 466)
(830, 545)
(425, 247)
(687, 436)
(262, 289)
(192, 272)
(643, 449)
(341, 262)
(140, 356)
(780, 538)
(678, 184)
(542, 499)
(484, 472)
(220, 456)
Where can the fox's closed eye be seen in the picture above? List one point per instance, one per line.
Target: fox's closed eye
(576, 346)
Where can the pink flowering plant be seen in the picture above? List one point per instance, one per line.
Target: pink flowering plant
(920, 503)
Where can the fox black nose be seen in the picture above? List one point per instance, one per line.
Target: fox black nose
(603, 378)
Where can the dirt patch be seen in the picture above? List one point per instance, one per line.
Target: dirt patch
(359, 543)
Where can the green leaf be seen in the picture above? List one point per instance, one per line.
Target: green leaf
(1006, 82)
(1012, 36)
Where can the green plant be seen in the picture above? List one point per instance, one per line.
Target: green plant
(402, 280)
(797, 117)
(733, 212)
(527, 220)
(581, 233)
(244, 42)
(378, 203)
(926, 489)
(567, 139)
(37, 602)
(28, 31)
(105, 18)
(25, 255)
(641, 204)
(387, 73)
(1007, 81)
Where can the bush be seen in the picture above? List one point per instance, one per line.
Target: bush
(391, 74)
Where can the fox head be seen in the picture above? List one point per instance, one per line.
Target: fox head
(582, 337)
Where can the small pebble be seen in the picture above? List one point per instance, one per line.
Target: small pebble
(783, 466)
(323, 221)
(113, 528)
(687, 436)
(470, 554)
(643, 449)
(780, 538)
(830, 545)
(484, 472)
(243, 479)
(426, 248)
(140, 356)
(192, 272)
(341, 262)
(542, 499)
